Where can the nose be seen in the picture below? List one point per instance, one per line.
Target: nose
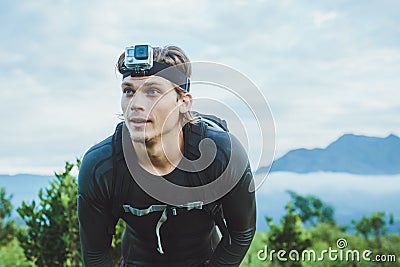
(137, 102)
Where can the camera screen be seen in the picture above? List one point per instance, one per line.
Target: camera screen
(141, 52)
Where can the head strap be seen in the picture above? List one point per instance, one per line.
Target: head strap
(162, 70)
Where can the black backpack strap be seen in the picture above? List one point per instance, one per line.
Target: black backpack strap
(117, 178)
(213, 121)
(194, 133)
(193, 136)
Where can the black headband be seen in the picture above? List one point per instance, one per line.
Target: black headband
(162, 70)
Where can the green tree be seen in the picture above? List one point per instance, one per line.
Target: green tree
(363, 227)
(375, 225)
(327, 233)
(7, 225)
(51, 237)
(289, 235)
(13, 255)
(311, 209)
(391, 219)
(378, 225)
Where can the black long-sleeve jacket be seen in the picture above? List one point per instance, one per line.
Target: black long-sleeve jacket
(188, 238)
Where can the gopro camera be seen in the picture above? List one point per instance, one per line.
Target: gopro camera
(139, 57)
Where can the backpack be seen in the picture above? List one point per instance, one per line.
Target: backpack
(118, 208)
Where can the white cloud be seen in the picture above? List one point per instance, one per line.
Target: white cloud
(321, 18)
(321, 181)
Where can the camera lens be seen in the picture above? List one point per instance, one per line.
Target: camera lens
(141, 51)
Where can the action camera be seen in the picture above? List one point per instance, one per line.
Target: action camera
(139, 57)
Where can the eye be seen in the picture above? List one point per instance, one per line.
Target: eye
(128, 91)
(153, 91)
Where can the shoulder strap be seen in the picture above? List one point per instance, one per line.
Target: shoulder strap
(195, 134)
(117, 178)
(214, 121)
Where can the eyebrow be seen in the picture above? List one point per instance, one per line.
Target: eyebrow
(151, 83)
(147, 84)
(126, 83)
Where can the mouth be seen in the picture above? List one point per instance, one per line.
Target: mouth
(139, 122)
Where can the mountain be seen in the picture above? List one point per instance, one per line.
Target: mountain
(350, 153)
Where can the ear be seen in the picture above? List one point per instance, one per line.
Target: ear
(186, 103)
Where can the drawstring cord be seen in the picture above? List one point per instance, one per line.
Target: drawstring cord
(164, 215)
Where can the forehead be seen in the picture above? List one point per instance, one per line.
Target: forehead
(147, 81)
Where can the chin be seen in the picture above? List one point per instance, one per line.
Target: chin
(139, 137)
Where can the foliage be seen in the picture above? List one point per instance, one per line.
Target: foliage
(51, 237)
(7, 226)
(374, 225)
(116, 242)
(311, 209)
(288, 236)
(13, 255)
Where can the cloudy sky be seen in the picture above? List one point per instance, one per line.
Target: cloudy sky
(326, 68)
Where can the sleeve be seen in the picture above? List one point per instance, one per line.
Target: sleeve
(239, 208)
(95, 218)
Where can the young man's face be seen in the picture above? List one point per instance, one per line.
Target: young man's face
(151, 107)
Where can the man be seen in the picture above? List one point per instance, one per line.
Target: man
(164, 227)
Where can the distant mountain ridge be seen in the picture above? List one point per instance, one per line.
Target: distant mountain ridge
(356, 154)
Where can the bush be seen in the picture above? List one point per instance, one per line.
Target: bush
(13, 255)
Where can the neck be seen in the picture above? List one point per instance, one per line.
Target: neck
(161, 155)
